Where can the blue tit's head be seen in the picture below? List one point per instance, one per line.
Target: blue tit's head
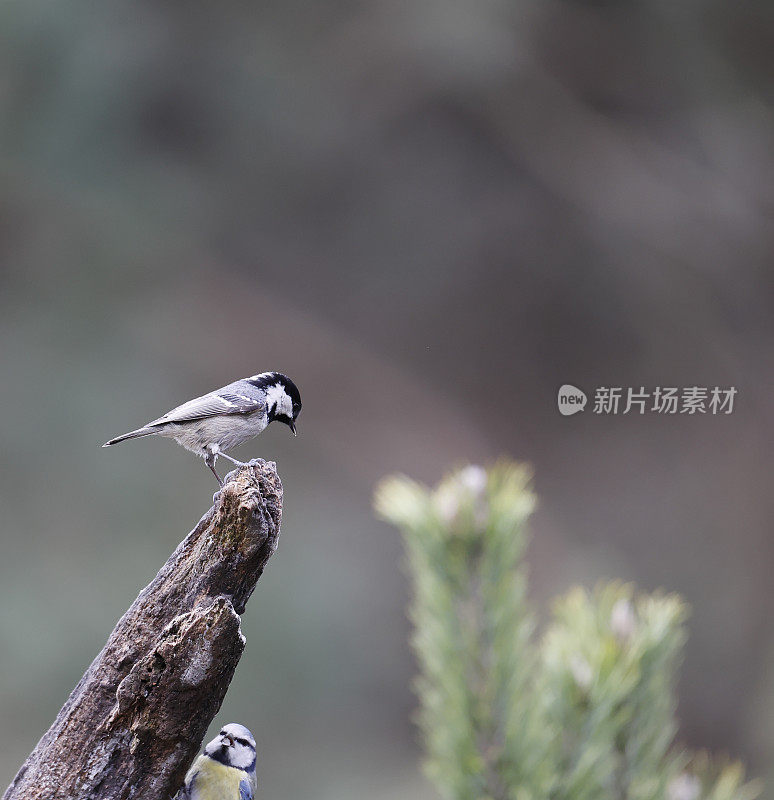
(234, 747)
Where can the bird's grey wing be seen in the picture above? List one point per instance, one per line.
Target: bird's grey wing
(245, 790)
(211, 405)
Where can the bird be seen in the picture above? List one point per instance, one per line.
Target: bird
(226, 768)
(214, 423)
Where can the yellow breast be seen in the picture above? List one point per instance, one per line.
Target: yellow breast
(215, 781)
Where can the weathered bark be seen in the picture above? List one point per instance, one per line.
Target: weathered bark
(134, 723)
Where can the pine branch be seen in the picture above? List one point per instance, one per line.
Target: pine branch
(134, 723)
(587, 712)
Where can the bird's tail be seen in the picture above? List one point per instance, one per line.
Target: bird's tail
(146, 431)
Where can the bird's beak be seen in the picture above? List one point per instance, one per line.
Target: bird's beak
(293, 427)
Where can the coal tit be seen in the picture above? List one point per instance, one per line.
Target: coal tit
(214, 423)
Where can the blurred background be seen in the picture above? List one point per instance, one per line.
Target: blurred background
(430, 215)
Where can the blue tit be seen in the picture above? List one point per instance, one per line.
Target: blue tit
(226, 768)
(212, 424)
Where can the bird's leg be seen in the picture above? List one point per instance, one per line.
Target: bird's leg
(209, 460)
(233, 460)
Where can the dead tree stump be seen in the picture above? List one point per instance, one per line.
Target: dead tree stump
(136, 720)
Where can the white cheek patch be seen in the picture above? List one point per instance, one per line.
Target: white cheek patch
(277, 397)
(242, 757)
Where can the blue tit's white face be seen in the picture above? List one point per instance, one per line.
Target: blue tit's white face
(234, 746)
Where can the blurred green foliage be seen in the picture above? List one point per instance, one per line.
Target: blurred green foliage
(586, 711)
